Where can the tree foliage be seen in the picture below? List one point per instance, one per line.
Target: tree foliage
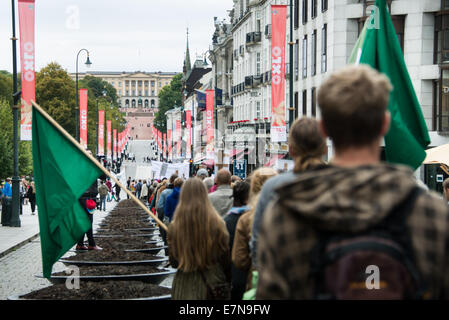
(169, 97)
(98, 85)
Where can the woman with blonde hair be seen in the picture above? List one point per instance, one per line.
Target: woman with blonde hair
(199, 247)
(241, 254)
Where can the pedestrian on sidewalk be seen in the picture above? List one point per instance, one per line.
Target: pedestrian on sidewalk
(128, 186)
(373, 213)
(31, 195)
(6, 203)
(144, 192)
(117, 192)
(139, 189)
(199, 246)
(109, 186)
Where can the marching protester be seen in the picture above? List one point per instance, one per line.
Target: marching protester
(240, 195)
(173, 199)
(221, 199)
(103, 191)
(144, 192)
(117, 190)
(199, 247)
(241, 254)
(208, 183)
(164, 193)
(374, 212)
(307, 147)
(138, 189)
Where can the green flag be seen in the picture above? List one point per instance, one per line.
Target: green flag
(62, 174)
(408, 136)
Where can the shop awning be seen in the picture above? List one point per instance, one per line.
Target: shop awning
(438, 155)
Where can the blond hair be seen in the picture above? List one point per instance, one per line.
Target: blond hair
(197, 236)
(353, 102)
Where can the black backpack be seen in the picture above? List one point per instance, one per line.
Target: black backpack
(376, 264)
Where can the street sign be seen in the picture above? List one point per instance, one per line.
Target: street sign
(240, 168)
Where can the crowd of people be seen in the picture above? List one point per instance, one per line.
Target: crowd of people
(320, 231)
(27, 192)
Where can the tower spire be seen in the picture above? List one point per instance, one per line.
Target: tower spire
(187, 63)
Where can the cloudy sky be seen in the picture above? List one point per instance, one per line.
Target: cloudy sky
(131, 35)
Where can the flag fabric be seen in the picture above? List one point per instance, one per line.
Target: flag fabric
(201, 99)
(408, 136)
(62, 220)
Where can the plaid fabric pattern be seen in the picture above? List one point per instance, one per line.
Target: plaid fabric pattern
(346, 200)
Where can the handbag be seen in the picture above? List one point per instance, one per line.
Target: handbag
(220, 291)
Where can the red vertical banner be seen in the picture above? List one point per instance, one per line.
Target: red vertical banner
(278, 32)
(210, 153)
(165, 145)
(101, 132)
(169, 143)
(83, 117)
(27, 54)
(178, 138)
(108, 137)
(114, 140)
(189, 134)
(159, 141)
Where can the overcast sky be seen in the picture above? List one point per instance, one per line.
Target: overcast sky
(131, 35)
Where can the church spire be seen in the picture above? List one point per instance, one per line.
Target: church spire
(187, 63)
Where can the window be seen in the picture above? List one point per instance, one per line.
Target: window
(304, 103)
(314, 102)
(314, 53)
(323, 5)
(324, 49)
(441, 39)
(304, 11)
(296, 105)
(304, 57)
(127, 92)
(258, 110)
(258, 64)
(314, 7)
(296, 18)
(152, 83)
(296, 59)
(152, 92)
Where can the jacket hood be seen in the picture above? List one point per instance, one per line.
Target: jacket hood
(347, 199)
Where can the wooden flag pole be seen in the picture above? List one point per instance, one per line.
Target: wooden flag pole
(95, 161)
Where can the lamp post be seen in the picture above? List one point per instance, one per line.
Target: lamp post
(291, 109)
(88, 64)
(14, 220)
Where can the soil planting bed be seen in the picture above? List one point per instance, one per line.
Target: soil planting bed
(126, 231)
(113, 270)
(104, 290)
(112, 255)
(124, 243)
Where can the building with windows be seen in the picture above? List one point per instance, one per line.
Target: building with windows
(324, 35)
(137, 96)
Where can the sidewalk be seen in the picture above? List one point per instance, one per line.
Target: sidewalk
(14, 237)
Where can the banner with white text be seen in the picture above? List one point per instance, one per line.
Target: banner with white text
(83, 117)
(27, 59)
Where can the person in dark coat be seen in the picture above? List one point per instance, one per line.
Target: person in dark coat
(31, 195)
(173, 199)
(241, 195)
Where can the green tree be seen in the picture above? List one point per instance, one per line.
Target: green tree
(6, 86)
(97, 86)
(6, 145)
(169, 97)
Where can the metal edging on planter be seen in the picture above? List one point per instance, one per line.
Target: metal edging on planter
(124, 235)
(99, 263)
(163, 297)
(152, 278)
(149, 250)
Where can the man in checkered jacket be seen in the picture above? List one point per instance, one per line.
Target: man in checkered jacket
(356, 192)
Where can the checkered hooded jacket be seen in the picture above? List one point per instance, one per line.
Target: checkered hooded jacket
(347, 200)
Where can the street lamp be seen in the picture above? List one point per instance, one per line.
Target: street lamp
(88, 64)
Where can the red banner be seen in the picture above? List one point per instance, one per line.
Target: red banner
(189, 134)
(114, 140)
(169, 143)
(278, 31)
(178, 138)
(83, 117)
(27, 52)
(108, 137)
(210, 154)
(165, 145)
(101, 132)
(159, 141)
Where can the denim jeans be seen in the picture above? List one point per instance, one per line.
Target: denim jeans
(103, 203)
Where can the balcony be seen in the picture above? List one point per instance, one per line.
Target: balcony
(253, 38)
(257, 80)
